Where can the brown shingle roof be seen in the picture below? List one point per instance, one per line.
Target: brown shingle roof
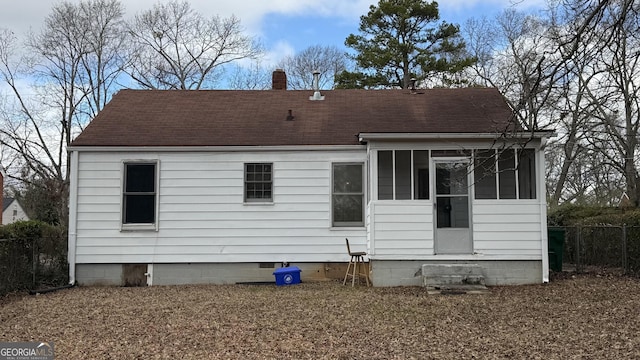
(226, 117)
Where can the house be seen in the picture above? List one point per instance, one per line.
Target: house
(220, 186)
(12, 211)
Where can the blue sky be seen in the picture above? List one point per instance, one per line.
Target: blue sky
(283, 26)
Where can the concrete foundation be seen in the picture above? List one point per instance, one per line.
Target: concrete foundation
(204, 273)
(409, 273)
(383, 272)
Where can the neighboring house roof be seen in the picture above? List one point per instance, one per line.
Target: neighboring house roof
(248, 117)
(6, 202)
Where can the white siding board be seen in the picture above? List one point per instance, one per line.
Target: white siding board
(507, 227)
(89, 197)
(495, 219)
(97, 216)
(415, 237)
(202, 216)
(169, 172)
(402, 227)
(285, 182)
(512, 236)
(112, 175)
(93, 167)
(407, 244)
(500, 228)
(508, 245)
(204, 249)
(389, 208)
(301, 173)
(292, 241)
(414, 253)
(232, 225)
(98, 183)
(200, 190)
(98, 208)
(247, 215)
(506, 207)
(521, 254)
(98, 224)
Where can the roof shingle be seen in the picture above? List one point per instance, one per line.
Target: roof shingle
(247, 117)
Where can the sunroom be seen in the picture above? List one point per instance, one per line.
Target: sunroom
(456, 200)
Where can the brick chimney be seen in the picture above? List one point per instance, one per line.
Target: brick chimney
(279, 80)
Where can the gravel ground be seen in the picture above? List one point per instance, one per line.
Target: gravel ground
(579, 317)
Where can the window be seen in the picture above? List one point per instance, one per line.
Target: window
(258, 182)
(527, 174)
(348, 195)
(507, 174)
(385, 175)
(485, 174)
(139, 197)
(515, 172)
(395, 179)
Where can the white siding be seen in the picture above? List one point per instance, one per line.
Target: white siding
(500, 229)
(13, 213)
(202, 216)
(402, 228)
(507, 227)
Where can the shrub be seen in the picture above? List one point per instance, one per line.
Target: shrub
(32, 254)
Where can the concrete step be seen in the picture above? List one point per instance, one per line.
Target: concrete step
(452, 276)
(457, 289)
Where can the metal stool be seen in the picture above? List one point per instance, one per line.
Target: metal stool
(357, 261)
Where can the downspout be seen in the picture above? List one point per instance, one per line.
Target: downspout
(543, 210)
(371, 248)
(73, 216)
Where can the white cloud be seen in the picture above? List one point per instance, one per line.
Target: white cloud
(20, 15)
(280, 50)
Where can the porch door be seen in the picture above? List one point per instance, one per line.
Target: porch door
(452, 205)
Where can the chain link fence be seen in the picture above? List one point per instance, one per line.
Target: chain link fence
(33, 264)
(612, 247)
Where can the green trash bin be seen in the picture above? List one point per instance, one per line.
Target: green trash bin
(555, 236)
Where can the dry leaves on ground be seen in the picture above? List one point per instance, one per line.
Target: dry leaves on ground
(581, 317)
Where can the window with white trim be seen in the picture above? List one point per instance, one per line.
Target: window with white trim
(347, 197)
(139, 193)
(258, 182)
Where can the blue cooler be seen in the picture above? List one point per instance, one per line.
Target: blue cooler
(287, 275)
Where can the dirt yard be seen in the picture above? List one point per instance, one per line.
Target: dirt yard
(583, 317)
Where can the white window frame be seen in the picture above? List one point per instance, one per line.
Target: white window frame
(140, 226)
(361, 193)
(244, 185)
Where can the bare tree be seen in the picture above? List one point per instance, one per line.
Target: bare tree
(253, 77)
(328, 60)
(515, 55)
(551, 70)
(71, 65)
(175, 47)
(613, 97)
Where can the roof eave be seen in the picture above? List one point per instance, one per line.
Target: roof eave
(205, 148)
(365, 137)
